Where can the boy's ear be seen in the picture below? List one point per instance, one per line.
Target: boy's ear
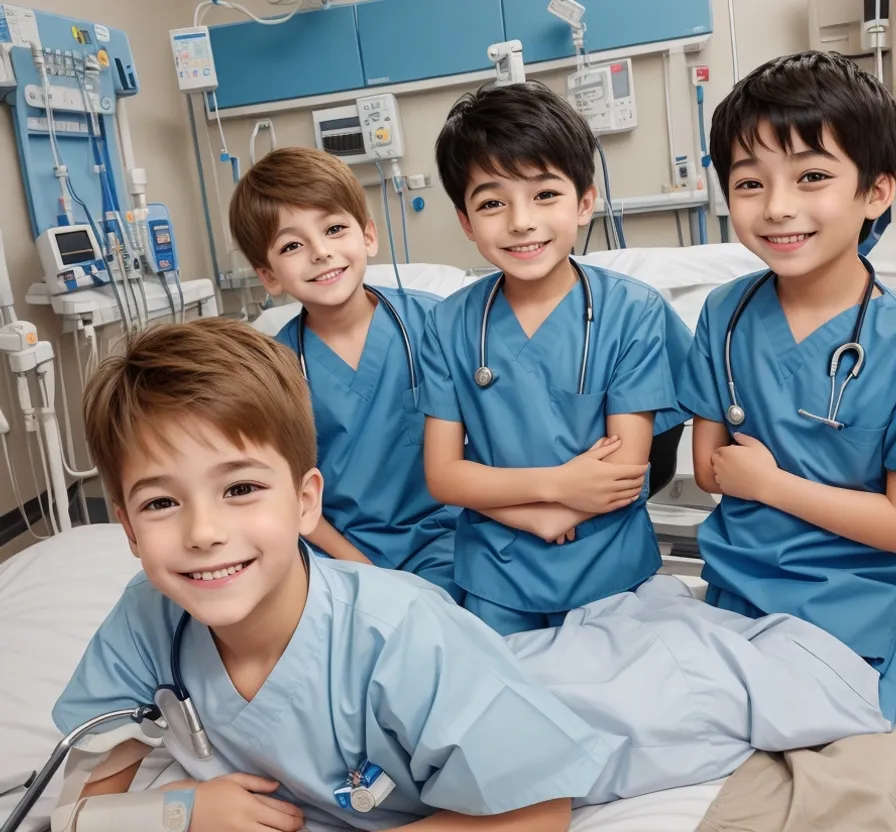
(311, 501)
(371, 239)
(586, 206)
(270, 283)
(880, 197)
(465, 224)
(122, 517)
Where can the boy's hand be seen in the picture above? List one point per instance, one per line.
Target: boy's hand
(589, 484)
(229, 804)
(743, 470)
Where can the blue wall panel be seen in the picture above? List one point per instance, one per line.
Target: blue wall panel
(409, 40)
(611, 24)
(312, 54)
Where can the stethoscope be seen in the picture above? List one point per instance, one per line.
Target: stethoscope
(485, 376)
(393, 312)
(735, 414)
(173, 711)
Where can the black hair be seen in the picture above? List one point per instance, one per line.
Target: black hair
(806, 93)
(504, 129)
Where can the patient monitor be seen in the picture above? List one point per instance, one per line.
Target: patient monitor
(71, 259)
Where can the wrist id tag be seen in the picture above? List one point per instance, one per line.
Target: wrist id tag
(364, 789)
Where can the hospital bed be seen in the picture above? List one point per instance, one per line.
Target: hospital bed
(55, 594)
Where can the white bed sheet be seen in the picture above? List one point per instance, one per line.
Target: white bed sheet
(55, 594)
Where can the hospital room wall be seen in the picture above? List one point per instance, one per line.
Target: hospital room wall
(639, 161)
(162, 145)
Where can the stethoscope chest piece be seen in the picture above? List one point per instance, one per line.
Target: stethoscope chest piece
(735, 415)
(484, 377)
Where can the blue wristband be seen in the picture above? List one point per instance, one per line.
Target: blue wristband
(177, 810)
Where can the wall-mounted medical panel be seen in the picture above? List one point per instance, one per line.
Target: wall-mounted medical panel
(611, 24)
(411, 40)
(314, 53)
(83, 119)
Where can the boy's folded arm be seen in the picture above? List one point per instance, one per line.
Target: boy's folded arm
(856, 515)
(329, 540)
(549, 521)
(550, 816)
(708, 437)
(453, 480)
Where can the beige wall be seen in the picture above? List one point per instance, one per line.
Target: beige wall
(638, 161)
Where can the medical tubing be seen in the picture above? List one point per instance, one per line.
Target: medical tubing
(701, 221)
(52, 505)
(50, 404)
(404, 226)
(14, 481)
(618, 236)
(37, 488)
(45, 775)
(385, 191)
(203, 7)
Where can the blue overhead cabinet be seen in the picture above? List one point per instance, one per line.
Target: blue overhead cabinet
(410, 40)
(611, 24)
(312, 54)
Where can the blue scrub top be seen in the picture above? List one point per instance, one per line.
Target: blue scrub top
(370, 442)
(533, 416)
(776, 562)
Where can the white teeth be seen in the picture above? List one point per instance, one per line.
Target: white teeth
(793, 238)
(218, 573)
(328, 275)
(532, 247)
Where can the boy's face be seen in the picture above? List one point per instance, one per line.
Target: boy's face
(800, 212)
(216, 527)
(318, 257)
(524, 226)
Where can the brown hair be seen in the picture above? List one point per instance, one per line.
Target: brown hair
(222, 371)
(291, 176)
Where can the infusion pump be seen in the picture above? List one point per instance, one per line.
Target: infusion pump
(605, 95)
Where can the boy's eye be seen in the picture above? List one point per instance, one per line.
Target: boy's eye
(290, 247)
(335, 229)
(748, 185)
(542, 195)
(241, 489)
(159, 504)
(489, 204)
(814, 176)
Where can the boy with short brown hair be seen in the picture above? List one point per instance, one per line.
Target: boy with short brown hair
(300, 217)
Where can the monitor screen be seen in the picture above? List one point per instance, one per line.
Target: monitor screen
(75, 247)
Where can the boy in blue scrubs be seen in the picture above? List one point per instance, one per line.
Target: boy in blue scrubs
(300, 217)
(301, 669)
(553, 475)
(807, 522)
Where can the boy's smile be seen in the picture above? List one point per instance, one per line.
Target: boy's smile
(216, 525)
(526, 225)
(801, 209)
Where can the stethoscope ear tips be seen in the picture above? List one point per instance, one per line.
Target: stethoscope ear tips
(484, 377)
(735, 415)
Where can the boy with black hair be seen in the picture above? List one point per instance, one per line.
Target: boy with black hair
(797, 429)
(558, 374)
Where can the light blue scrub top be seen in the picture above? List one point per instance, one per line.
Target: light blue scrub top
(774, 561)
(382, 666)
(370, 444)
(533, 416)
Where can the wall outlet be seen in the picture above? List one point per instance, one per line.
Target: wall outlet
(419, 181)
